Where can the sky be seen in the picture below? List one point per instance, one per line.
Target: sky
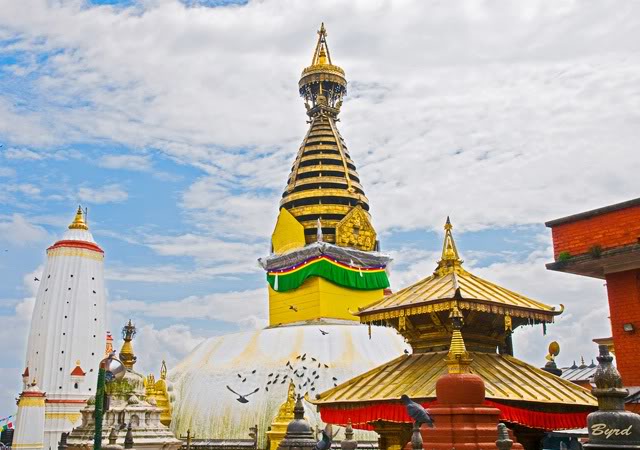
(176, 122)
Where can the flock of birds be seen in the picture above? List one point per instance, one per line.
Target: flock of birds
(305, 372)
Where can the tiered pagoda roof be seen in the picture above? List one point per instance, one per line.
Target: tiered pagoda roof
(423, 314)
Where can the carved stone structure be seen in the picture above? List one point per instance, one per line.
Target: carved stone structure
(299, 433)
(611, 427)
(131, 413)
(348, 443)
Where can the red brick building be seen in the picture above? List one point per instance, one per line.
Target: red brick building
(605, 243)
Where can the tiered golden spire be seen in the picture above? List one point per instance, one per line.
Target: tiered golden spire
(450, 260)
(458, 359)
(127, 356)
(79, 221)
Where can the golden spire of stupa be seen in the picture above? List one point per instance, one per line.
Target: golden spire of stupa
(321, 55)
(79, 222)
(127, 356)
(458, 358)
(450, 260)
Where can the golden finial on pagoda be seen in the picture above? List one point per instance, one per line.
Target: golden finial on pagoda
(458, 359)
(127, 356)
(321, 54)
(79, 222)
(450, 260)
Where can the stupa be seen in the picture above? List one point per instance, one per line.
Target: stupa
(129, 405)
(324, 265)
(530, 400)
(67, 331)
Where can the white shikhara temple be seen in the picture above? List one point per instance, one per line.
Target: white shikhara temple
(66, 338)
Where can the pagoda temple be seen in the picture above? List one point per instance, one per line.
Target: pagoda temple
(530, 400)
(323, 266)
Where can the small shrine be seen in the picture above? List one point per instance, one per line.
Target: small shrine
(530, 400)
(132, 410)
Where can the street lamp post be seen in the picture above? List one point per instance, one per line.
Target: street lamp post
(110, 369)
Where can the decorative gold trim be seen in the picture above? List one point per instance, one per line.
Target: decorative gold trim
(80, 252)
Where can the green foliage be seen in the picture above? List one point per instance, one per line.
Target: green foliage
(595, 251)
(564, 256)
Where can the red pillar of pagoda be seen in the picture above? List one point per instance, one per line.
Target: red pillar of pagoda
(462, 421)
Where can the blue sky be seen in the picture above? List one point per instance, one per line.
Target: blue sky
(176, 123)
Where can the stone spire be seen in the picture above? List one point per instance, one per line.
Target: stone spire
(611, 426)
(299, 435)
(348, 443)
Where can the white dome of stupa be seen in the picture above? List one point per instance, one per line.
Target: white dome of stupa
(205, 406)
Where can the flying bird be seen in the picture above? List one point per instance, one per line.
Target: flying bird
(244, 379)
(239, 376)
(253, 371)
(324, 333)
(313, 359)
(334, 379)
(243, 398)
(417, 412)
(283, 381)
(326, 366)
(270, 375)
(293, 308)
(266, 389)
(36, 279)
(406, 352)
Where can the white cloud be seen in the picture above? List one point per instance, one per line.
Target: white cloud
(244, 307)
(482, 109)
(17, 230)
(7, 172)
(128, 162)
(171, 344)
(111, 193)
(23, 188)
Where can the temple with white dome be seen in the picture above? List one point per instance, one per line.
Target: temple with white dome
(324, 265)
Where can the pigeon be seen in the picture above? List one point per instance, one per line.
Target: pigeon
(406, 352)
(293, 308)
(268, 383)
(335, 385)
(239, 376)
(317, 376)
(324, 333)
(253, 371)
(244, 379)
(283, 381)
(304, 357)
(326, 366)
(288, 364)
(299, 356)
(270, 375)
(313, 359)
(334, 379)
(266, 389)
(304, 368)
(417, 412)
(36, 279)
(314, 372)
(319, 365)
(243, 398)
(327, 439)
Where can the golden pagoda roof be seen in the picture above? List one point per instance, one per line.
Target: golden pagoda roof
(324, 185)
(506, 379)
(451, 285)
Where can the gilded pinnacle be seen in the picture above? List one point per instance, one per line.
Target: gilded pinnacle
(450, 260)
(79, 221)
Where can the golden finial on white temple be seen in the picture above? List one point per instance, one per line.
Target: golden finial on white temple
(79, 222)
